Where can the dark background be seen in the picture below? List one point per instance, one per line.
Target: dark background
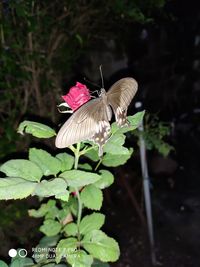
(157, 43)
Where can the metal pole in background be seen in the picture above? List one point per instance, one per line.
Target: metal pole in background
(146, 188)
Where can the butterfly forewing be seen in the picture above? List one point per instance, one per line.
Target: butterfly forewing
(120, 96)
(87, 123)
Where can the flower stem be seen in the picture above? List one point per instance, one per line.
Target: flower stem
(77, 155)
(98, 164)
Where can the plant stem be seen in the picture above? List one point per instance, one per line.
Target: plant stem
(79, 215)
(98, 164)
(77, 155)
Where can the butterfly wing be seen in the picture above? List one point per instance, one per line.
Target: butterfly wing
(89, 122)
(120, 96)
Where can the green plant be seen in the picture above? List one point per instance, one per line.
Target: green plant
(155, 133)
(138, 11)
(41, 41)
(67, 188)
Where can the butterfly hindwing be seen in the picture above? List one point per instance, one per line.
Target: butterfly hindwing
(102, 135)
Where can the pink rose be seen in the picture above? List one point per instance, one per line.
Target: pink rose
(77, 96)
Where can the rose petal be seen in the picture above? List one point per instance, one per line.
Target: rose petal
(77, 96)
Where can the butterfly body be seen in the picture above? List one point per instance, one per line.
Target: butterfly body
(91, 120)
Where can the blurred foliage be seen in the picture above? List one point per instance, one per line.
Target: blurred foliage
(137, 11)
(11, 212)
(41, 40)
(155, 134)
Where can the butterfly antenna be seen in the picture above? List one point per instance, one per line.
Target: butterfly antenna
(101, 73)
(95, 84)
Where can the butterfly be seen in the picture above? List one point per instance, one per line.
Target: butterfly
(92, 120)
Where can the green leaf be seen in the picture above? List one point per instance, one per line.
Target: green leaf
(3, 264)
(114, 144)
(40, 254)
(19, 262)
(79, 38)
(63, 196)
(49, 241)
(85, 166)
(65, 248)
(15, 188)
(98, 263)
(120, 150)
(92, 197)
(106, 180)
(92, 154)
(38, 213)
(44, 208)
(71, 229)
(56, 265)
(80, 259)
(91, 222)
(134, 121)
(67, 161)
(77, 178)
(73, 205)
(47, 163)
(51, 188)
(63, 212)
(50, 227)
(49, 210)
(36, 129)
(53, 211)
(164, 148)
(100, 246)
(22, 168)
(21, 11)
(111, 160)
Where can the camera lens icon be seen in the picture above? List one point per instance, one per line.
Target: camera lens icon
(12, 252)
(22, 252)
